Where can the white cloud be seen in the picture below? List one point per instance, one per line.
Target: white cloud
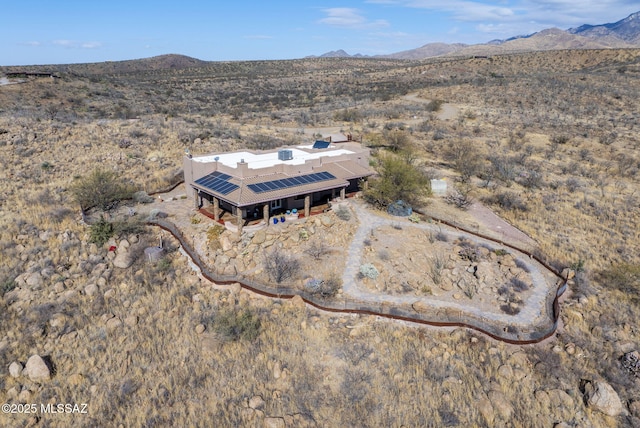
(347, 17)
(65, 43)
(561, 13)
(31, 43)
(91, 45)
(72, 44)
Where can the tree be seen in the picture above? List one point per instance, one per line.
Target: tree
(280, 266)
(101, 189)
(397, 139)
(466, 159)
(399, 179)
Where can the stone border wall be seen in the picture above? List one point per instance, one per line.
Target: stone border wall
(438, 317)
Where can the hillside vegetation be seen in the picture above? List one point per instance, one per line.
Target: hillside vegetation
(548, 140)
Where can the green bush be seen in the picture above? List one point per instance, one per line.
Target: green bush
(233, 326)
(399, 179)
(368, 270)
(624, 277)
(101, 189)
(101, 231)
(343, 213)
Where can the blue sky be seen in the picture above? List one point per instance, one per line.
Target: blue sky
(74, 31)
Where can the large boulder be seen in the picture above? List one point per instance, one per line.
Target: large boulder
(37, 369)
(400, 209)
(602, 397)
(123, 259)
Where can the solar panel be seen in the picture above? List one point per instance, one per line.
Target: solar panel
(218, 182)
(284, 183)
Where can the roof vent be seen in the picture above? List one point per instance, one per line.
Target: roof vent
(285, 155)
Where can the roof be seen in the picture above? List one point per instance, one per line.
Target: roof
(244, 192)
(268, 159)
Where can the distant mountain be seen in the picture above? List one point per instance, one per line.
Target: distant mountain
(427, 51)
(338, 54)
(622, 34)
(627, 30)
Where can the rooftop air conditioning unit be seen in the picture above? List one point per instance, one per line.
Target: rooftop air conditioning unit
(285, 155)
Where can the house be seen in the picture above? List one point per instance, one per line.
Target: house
(258, 184)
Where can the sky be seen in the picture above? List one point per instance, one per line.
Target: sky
(80, 31)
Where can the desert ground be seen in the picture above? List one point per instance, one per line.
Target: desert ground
(547, 141)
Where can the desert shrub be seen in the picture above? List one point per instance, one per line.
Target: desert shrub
(398, 179)
(232, 326)
(264, 142)
(325, 288)
(572, 184)
(508, 201)
(101, 231)
(142, 197)
(469, 250)
(7, 285)
(470, 253)
(510, 309)
(101, 189)
(531, 179)
(522, 265)
(439, 134)
(436, 265)
(213, 235)
(560, 139)
(317, 249)
(343, 213)
(441, 236)
(624, 277)
(518, 284)
(397, 139)
(347, 115)
(368, 270)
(465, 157)
(384, 255)
(281, 266)
(459, 199)
(434, 105)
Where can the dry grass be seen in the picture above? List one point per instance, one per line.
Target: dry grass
(307, 366)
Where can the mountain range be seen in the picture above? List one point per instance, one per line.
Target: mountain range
(621, 34)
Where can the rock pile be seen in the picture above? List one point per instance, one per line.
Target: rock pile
(631, 362)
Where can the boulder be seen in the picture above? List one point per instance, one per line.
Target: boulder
(400, 209)
(274, 423)
(123, 259)
(15, 369)
(34, 280)
(113, 323)
(602, 397)
(485, 408)
(37, 369)
(501, 404)
(256, 402)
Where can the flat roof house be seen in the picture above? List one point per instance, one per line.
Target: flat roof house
(257, 184)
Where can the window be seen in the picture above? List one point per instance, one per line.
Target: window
(276, 204)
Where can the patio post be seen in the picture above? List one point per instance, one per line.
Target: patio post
(307, 206)
(216, 209)
(265, 212)
(240, 221)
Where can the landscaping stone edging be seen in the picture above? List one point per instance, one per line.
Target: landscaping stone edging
(439, 318)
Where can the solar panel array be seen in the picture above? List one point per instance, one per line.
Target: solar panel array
(285, 183)
(218, 182)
